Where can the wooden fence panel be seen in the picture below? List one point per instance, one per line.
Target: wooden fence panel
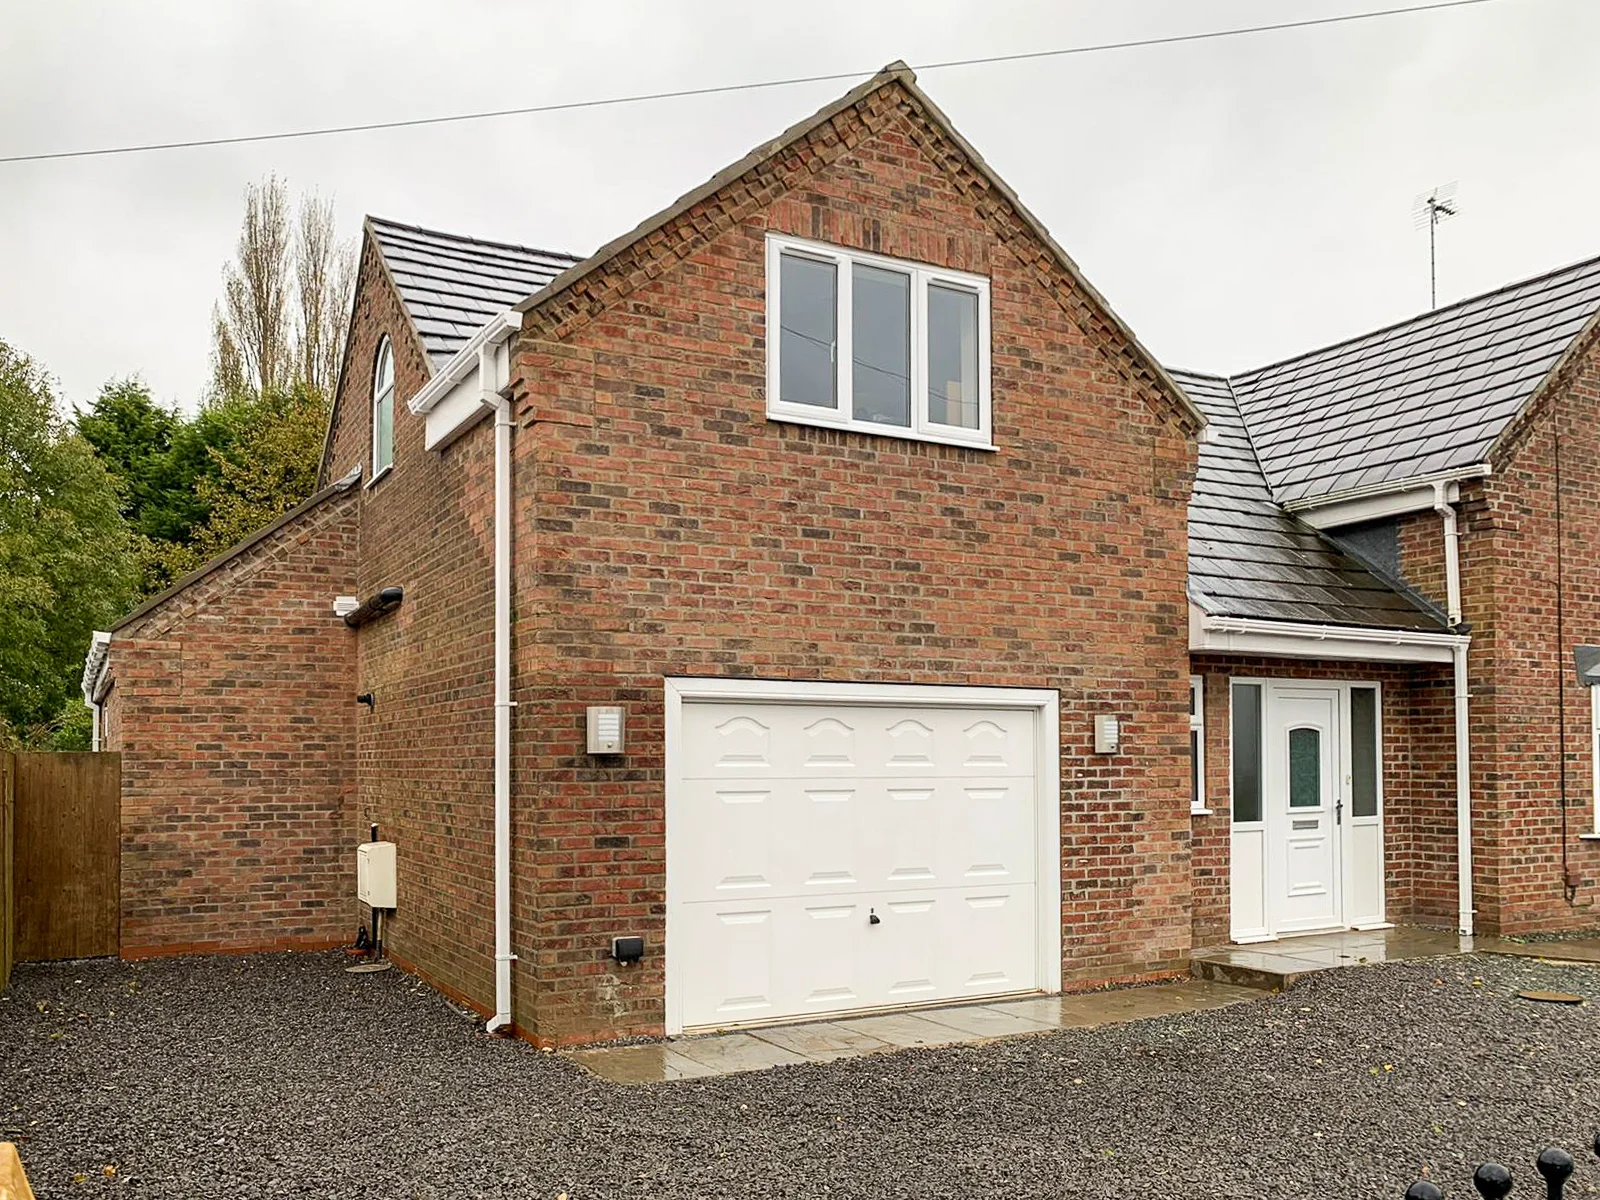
(67, 855)
(8, 910)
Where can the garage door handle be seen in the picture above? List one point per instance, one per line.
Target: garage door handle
(873, 918)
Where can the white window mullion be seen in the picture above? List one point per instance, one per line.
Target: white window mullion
(919, 351)
(844, 366)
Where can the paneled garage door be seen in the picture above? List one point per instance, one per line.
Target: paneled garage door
(828, 855)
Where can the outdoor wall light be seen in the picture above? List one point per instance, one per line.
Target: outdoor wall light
(367, 699)
(386, 601)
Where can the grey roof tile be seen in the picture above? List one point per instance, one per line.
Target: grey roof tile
(1435, 391)
(1250, 558)
(451, 285)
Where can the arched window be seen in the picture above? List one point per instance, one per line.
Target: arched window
(383, 410)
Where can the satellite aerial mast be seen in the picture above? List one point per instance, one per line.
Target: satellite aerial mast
(1430, 208)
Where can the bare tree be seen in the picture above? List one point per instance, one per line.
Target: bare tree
(324, 276)
(253, 320)
(285, 297)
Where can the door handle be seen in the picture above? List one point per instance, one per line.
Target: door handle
(1338, 812)
(873, 918)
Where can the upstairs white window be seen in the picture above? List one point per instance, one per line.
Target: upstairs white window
(859, 341)
(383, 410)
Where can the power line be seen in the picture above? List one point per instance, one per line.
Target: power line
(724, 89)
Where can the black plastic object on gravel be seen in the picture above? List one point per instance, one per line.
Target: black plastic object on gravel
(281, 1075)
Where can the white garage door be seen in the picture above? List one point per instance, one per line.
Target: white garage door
(826, 857)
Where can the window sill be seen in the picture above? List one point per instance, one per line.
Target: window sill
(883, 431)
(373, 482)
(1589, 837)
(1202, 812)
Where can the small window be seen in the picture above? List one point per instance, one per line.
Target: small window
(876, 344)
(383, 410)
(1246, 752)
(1197, 744)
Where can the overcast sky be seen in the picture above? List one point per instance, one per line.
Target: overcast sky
(1237, 200)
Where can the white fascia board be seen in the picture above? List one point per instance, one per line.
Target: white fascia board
(94, 667)
(1374, 508)
(463, 405)
(465, 361)
(1368, 503)
(1290, 639)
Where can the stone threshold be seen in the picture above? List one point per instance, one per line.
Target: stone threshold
(759, 1049)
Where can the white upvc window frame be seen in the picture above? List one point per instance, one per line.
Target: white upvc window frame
(1197, 725)
(922, 275)
(385, 349)
(1594, 746)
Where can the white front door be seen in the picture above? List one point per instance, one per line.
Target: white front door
(1307, 844)
(830, 857)
(1303, 800)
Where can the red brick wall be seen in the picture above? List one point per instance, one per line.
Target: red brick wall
(668, 528)
(425, 751)
(1540, 876)
(1419, 826)
(232, 707)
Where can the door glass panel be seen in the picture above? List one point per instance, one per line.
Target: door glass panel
(952, 357)
(808, 309)
(880, 333)
(1247, 752)
(1363, 752)
(1305, 768)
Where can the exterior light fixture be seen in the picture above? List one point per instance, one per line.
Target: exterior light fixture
(386, 601)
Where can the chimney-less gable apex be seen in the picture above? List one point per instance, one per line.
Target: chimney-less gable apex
(614, 270)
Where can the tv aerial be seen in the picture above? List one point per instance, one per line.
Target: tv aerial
(1429, 209)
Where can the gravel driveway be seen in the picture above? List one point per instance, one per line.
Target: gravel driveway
(281, 1075)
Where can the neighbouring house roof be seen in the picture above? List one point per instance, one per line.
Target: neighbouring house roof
(451, 285)
(1427, 395)
(1248, 557)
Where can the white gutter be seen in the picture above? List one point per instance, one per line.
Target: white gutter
(95, 665)
(1347, 633)
(1463, 798)
(464, 362)
(1250, 635)
(1389, 487)
(1452, 550)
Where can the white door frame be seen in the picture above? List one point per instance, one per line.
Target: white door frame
(1266, 835)
(1045, 704)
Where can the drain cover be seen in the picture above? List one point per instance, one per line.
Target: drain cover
(1552, 997)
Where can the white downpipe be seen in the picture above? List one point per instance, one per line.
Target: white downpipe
(1452, 587)
(503, 704)
(1452, 551)
(1463, 798)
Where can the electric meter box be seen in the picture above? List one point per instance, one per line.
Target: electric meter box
(375, 874)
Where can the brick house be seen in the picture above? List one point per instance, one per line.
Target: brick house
(1003, 661)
